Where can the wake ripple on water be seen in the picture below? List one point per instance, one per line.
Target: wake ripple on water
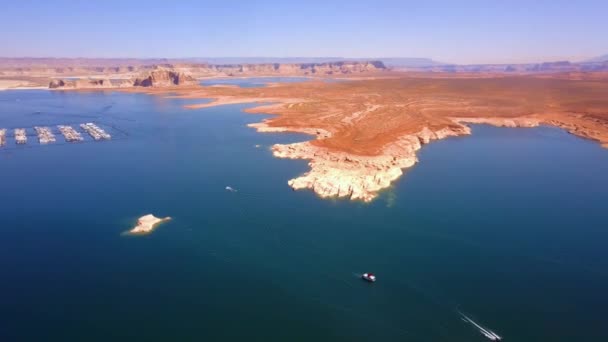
(484, 331)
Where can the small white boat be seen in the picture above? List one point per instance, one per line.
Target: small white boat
(231, 189)
(370, 277)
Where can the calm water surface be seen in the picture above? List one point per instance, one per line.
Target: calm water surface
(507, 226)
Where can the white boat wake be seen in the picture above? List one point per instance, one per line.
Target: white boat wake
(484, 331)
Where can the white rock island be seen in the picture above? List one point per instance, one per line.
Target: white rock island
(147, 223)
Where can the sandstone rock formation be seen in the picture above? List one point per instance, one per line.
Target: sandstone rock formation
(132, 69)
(501, 122)
(304, 69)
(339, 174)
(81, 84)
(164, 78)
(156, 78)
(58, 83)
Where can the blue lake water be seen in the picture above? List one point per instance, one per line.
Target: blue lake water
(507, 226)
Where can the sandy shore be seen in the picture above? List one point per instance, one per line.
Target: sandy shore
(147, 223)
(227, 100)
(18, 85)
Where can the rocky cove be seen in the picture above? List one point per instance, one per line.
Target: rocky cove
(339, 174)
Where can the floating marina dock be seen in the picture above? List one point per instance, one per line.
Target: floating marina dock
(70, 134)
(95, 131)
(48, 134)
(20, 136)
(45, 135)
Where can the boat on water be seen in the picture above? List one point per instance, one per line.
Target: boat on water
(370, 277)
(492, 336)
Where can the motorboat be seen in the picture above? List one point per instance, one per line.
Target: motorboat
(370, 277)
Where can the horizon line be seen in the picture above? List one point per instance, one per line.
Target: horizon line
(586, 59)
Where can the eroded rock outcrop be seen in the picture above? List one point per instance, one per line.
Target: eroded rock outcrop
(80, 84)
(156, 78)
(502, 122)
(164, 78)
(57, 84)
(339, 174)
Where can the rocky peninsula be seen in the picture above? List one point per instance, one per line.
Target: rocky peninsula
(368, 131)
(147, 223)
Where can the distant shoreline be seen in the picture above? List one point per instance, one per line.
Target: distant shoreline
(8, 84)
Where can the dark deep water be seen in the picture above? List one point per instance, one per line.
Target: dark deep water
(507, 226)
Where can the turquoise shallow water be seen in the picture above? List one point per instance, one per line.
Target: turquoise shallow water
(507, 225)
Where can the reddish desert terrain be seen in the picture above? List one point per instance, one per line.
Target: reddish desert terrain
(367, 131)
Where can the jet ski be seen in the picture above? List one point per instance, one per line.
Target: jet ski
(370, 277)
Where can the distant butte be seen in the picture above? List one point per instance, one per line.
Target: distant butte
(160, 77)
(164, 78)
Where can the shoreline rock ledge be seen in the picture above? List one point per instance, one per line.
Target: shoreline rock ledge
(147, 223)
(157, 78)
(356, 177)
(339, 174)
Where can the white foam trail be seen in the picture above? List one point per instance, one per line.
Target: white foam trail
(495, 335)
(486, 332)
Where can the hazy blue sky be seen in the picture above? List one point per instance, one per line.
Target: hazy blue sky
(450, 31)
